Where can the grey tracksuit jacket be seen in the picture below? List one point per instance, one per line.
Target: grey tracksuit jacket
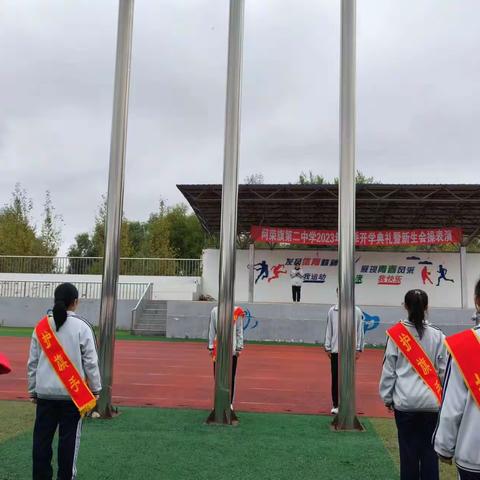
(78, 340)
(331, 332)
(237, 332)
(400, 384)
(458, 430)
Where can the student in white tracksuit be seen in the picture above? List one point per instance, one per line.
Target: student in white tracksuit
(331, 346)
(297, 277)
(237, 342)
(403, 391)
(55, 408)
(458, 431)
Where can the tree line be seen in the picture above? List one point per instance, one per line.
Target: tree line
(172, 231)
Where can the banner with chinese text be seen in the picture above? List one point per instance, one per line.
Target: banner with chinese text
(367, 238)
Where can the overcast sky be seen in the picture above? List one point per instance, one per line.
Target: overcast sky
(418, 110)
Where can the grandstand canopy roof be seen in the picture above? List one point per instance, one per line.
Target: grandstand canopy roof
(379, 206)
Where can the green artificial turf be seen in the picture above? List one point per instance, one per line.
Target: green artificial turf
(387, 431)
(151, 444)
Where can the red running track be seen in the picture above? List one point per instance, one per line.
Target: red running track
(270, 378)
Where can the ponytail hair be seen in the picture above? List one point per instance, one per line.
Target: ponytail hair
(65, 296)
(416, 303)
(477, 296)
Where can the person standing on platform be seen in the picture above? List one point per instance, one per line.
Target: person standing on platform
(411, 385)
(458, 431)
(237, 342)
(331, 346)
(297, 280)
(63, 382)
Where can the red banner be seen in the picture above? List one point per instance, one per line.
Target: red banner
(366, 238)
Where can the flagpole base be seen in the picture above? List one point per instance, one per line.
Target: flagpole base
(107, 414)
(337, 427)
(227, 419)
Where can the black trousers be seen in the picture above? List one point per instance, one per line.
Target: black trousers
(234, 373)
(334, 370)
(296, 293)
(418, 460)
(465, 475)
(50, 415)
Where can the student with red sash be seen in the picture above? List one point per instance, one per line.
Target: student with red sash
(63, 381)
(237, 341)
(413, 370)
(458, 432)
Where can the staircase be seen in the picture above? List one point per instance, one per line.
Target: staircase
(153, 320)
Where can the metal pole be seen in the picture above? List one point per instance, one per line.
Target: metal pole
(346, 418)
(251, 273)
(113, 225)
(463, 275)
(222, 412)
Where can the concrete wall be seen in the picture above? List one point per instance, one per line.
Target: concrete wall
(300, 323)
(164, 288)
(26, 312)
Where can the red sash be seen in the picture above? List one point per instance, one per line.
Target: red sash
(416, 355)
(64, 368)
(465, 349)
(238, 312)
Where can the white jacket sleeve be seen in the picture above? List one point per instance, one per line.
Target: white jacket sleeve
(389, 373)
(32, 365)
(239, 333)
(455, 397)
(88, 348)
(212, 328)
(328, 333)
(360, 330)
(441, 359)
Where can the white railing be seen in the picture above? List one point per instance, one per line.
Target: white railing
(179, 267)
(140, 306)
(88, 290)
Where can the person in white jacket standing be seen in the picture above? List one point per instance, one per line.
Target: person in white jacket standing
(458, 431)
(237, 341)
(413, 370)
(58, 403)
(297, 277)
(331, 346)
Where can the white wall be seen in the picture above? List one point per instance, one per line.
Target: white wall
(164, 288)
(368, 292)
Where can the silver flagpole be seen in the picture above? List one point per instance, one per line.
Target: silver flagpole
(222, 412)
(346, 418)
(116, 175)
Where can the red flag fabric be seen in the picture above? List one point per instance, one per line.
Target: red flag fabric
(4, 364)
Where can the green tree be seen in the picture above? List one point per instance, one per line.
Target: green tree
(138, 234)
(254, 179)
(360, 179)
(310, 179)
(83, 246)
(186, 234)
(158, 237)
(17, 234)
(98, 236)
(51, 234)
(19, 237)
